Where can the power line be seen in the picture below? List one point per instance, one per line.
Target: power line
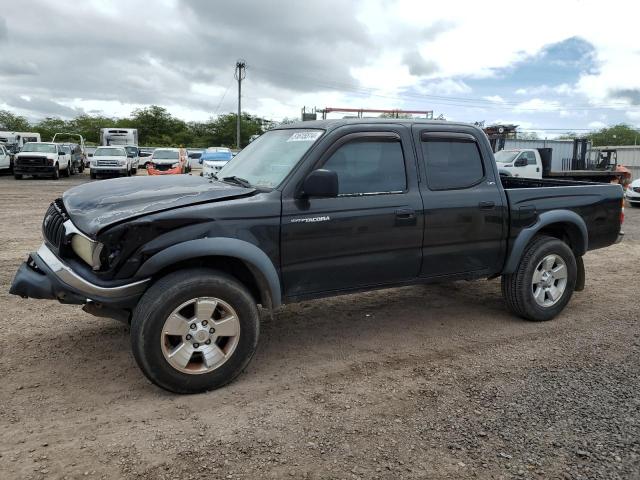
(222, 99)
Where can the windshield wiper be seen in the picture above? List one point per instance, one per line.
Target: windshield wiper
(238, 181)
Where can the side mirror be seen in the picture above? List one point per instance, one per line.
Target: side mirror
(521, 162)
(321, 183)
(90, 155)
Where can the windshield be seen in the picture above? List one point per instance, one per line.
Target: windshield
(266, 161)
(506, 156)
(65, 149)
(216, 156)
(40, 147)
(109, 152)
(165, 155)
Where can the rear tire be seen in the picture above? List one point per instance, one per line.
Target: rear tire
(547, 269)
(67, 171)
(149, 327)
(17, 176)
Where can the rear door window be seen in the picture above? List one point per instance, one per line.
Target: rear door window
(451, 163)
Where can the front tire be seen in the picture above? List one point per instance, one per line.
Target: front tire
(92, 175)
(56, 173)
(543, 283)
(194, 330)
(17, 176)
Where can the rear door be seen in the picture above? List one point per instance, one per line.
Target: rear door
(464, 215)
(371, 234)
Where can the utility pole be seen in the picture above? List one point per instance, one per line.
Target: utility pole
(239, 75)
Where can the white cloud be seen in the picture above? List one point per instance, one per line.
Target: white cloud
(494, 98)
(538, 105)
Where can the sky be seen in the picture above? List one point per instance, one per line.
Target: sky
(547, 66)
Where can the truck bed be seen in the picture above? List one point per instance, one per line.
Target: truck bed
(598, 204)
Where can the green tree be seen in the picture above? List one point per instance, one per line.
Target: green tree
(620, 134)
(89, 126)
(224, 129)
(395, 115)
(48, 127)
(12, 122)
(156, 126)
(527, 135)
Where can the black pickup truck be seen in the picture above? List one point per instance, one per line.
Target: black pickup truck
(310, 210)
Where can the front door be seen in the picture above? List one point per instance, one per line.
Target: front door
(528, 166)
(371, 233)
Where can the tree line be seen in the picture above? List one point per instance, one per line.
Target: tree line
(156, 127)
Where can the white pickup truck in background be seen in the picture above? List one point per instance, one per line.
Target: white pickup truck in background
(42, 159)
(536, 163)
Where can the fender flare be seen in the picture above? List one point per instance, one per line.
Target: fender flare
(545, 219)
(256, 260)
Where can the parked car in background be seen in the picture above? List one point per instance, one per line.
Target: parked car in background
(194, 158)
(5, 158)
(110, 161)
(145, 156)
(168, 161)
(133, 153)
(213, 160)
(77, 157)
(42, 159)
(633, 193)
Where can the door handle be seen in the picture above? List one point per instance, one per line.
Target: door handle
(405, 216)
(487, 205)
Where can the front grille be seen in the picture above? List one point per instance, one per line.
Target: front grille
(636, 189)
(163, 167)
(31, 161)
(108, 163)
(53, 224)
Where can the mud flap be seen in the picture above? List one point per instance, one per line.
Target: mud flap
(580, 275)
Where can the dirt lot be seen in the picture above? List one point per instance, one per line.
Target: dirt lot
(420, 382)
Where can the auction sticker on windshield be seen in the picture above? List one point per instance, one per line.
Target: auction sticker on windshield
(304, 136)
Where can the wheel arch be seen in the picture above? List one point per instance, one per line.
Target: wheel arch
(564, 225)
(239, 258)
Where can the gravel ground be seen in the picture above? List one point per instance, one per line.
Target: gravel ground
(419, 382)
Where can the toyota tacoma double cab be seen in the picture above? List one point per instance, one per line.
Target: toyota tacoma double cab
(310, 210)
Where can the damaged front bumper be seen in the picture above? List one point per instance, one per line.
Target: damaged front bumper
(46, 276)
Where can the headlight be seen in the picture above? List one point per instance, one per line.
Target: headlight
(122, 163)
(175, 165)
(94, 163)
(87, 250)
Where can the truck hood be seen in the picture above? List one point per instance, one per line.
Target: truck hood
(165, 161)
(37, 154)
(109, 157)
(97, 205)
